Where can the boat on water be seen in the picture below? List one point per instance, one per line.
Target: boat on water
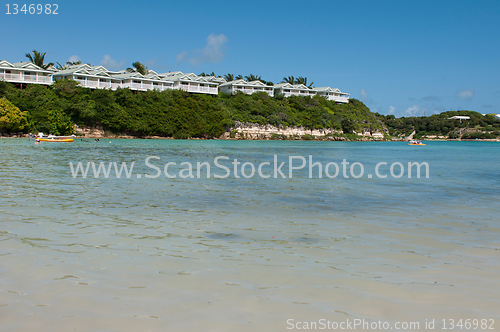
(415, 142)
(52, 138)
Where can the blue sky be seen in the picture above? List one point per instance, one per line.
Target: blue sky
(399, 57)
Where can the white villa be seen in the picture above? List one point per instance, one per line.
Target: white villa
(98, 77)
(246, 87)
(24, 72)
(288, 90)
(94, 77)
(191, 82)
(333, 94)
(137, 81)
(460, 117)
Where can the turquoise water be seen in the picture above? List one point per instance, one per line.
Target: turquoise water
(238, 254)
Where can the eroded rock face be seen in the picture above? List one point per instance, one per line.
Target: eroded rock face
(255, 131)
(90, 132)
(253, 128)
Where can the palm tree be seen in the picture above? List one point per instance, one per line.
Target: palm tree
(229, 77)
(68, 64)
(72, 63)
(38, 59)
(138, 67)
(239, 77)
(303, 80)
(289, 79)
(205, 74)
(60, 67)
(252, 77)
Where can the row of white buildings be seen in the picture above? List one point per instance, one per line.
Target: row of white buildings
(98, 77)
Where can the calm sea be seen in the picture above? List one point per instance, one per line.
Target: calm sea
(247, 254)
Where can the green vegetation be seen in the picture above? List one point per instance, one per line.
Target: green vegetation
(11, 118)
(311, 113)
(139, 67)
(174, 113)
(478, 135)
(299, 80)
(68, 63)
(38, 59)
(440, 124)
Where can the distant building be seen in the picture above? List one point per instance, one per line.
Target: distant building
(288, 90)
(246, 87)
(333, 94)
(459, 117)
(94, 77)
(497, 116)
(98, 77)
(24, 72)
(191, 82)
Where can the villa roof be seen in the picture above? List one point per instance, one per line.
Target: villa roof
(22, 65)
(216, 79)
(129, 75)
(328, 89)
(235, 82)
(180, 76)
(459, 117)
(287, 85)
(245, 83)
(283, 85)
(5, 63)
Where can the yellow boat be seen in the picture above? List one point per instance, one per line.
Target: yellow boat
(55, 139)
(415, 143)
(52, 138)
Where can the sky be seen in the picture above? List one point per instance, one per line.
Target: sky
(407, 58)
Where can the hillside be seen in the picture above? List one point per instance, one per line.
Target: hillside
(479, 126)
(57, 108)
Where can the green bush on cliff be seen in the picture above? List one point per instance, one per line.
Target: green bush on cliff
(438, 124)
(55, 109)
(11, 117)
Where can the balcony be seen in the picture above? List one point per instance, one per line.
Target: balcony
(199, 89)
(23, 78)
(249, 91)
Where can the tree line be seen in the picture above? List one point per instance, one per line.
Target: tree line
(441, 124)
(55, 109)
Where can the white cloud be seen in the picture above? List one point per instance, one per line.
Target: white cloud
(110, 63)
(182, 56)
(364, 95)
(392, 109)
(212, 52)
(465, 94)
(411, 111)
(74, 58)
(431, 98)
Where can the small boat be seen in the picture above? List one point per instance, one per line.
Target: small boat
(52, 138)
(414, 142)
(56, 139)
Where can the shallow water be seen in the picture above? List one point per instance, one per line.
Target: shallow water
(239, 254)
